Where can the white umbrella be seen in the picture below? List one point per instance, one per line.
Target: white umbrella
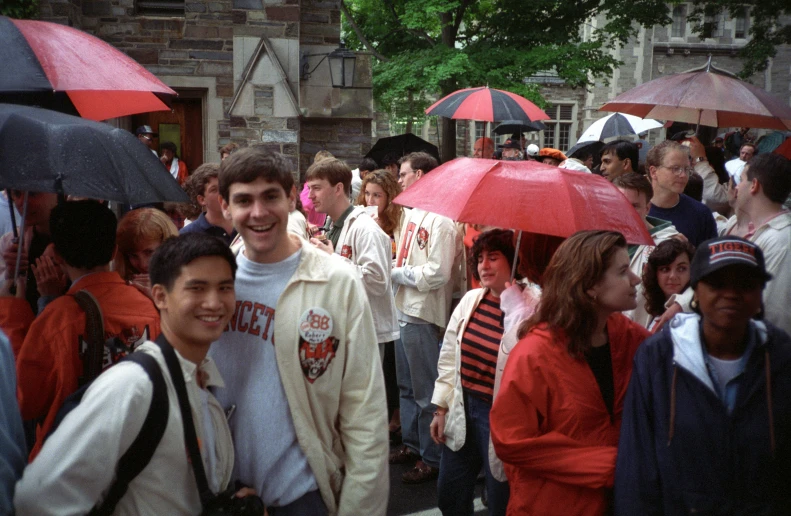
(618, 124)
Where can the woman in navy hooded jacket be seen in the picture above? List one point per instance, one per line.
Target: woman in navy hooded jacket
(707, 418)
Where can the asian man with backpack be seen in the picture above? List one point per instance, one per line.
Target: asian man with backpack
(188, 452)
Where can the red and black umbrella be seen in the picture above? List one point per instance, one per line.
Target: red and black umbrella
(65, 69)
(486, 105)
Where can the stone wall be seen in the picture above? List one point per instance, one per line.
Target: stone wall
(347, 140)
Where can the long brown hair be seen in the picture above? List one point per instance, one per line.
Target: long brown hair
(565, 307)
(390, 217)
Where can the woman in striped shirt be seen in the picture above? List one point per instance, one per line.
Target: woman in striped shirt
(466, 369)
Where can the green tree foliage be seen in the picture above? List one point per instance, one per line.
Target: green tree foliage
(20, 9)
(425, 48)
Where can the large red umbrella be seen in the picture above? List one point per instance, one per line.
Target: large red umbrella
(707, 97)
(784, 149)
(527, 196)
(486, 105)
(62, 68)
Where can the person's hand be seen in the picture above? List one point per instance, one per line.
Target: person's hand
(437, 427)
(313, 230)
(6, 286)
(324, 245)
(143, 283)
(671, 312)
(9, 257)
(696, 149)
(50, 279)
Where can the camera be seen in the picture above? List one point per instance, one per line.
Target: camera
(227, 502)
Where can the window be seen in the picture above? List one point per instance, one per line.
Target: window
(160, 7)
(679, 21)
(712, 26)
(740, 25)
(559, 129)
(480, 128)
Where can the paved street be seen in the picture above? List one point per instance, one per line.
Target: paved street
(421, 499)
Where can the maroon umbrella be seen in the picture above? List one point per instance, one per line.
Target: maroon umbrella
(707, 97)
(486, 105)
(62, 68)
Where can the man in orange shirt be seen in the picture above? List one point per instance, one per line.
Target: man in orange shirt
(49, 349)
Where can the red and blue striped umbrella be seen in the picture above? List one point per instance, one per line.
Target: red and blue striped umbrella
(486, 105)
(62, 68)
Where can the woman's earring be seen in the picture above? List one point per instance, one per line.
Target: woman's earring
(694, 303)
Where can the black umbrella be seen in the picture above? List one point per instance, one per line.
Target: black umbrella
(593, 147)
(47, 151)
(401, 145)
(518, 126)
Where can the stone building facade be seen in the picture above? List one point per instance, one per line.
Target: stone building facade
(237, 64)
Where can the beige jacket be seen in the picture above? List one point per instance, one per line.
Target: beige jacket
(335, 389)
(435, 252)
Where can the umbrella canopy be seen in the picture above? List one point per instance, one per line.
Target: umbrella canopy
(47, 151)
(593, 147)
(707, 97)
(65, 69)
(527, 196)
(784, 149)
(516, 126)
(401, 145)
(617, 124)
(486, 105)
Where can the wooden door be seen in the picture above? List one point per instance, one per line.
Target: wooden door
(186, 121)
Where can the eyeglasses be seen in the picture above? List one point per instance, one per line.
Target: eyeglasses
(679, 170)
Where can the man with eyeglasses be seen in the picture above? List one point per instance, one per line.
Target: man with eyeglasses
(146, 136)
(668, 169)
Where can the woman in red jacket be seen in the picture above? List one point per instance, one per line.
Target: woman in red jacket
(556, 419)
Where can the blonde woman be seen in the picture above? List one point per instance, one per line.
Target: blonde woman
(379, 188)
(139, 234)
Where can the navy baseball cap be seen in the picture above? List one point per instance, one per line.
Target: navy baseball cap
(145, 129)
(717, 253)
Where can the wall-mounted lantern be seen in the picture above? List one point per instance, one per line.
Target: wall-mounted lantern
(341, 62)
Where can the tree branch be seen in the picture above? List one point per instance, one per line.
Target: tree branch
(360, 34)
(419, 33)
(460, 15)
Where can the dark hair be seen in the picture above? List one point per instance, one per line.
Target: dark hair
(83, 233)
(635, 181)
(251, 163)
(663, 254)
(716, 159)
(420, 161)
(367, 165)
(694, 187)
(773, 172)
(493, 240)
(623, 149)
(566, 309)
(333, 170)
(168, 146)
(196, 183)
(174, 253)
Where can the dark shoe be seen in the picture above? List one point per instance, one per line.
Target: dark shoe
(402, 455)
(422, 472)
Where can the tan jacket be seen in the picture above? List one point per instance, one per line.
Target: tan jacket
(435, 252)
(335, 389)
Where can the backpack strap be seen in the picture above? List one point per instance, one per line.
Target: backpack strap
(139, 453)
(93, 358)
(190, 436)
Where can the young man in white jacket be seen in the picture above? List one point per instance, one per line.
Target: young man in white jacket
(358, 239)
(764, 186)
(299, 357)
(429, 253)
(192, 278)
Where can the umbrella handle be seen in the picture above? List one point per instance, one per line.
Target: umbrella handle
(516, 255)
(13, 213)
(22, 239)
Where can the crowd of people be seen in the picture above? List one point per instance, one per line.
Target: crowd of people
(273, 346)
